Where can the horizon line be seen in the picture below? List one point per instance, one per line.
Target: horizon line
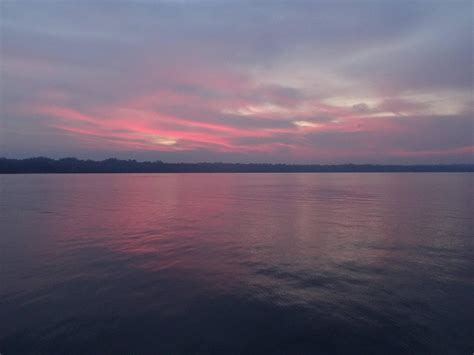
(236, 163)
(43, 165)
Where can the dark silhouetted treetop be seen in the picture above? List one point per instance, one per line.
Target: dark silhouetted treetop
(112, 165)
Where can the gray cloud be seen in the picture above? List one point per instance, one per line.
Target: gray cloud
(200, 61)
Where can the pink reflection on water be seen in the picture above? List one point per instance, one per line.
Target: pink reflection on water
(271, 232)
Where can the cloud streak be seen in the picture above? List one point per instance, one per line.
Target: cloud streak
(279, 82)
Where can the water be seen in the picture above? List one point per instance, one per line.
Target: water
(237, 263)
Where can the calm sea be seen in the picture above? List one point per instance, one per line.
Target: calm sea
(237, 263)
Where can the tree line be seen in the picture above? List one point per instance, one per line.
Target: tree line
(73, 165)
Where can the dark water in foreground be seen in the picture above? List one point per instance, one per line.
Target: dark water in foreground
(237, 263)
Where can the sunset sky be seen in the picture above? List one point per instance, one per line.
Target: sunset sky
(238, 81)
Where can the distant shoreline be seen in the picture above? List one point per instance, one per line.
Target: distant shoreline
(41, 165)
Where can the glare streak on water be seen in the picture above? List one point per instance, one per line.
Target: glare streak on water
(236, 263)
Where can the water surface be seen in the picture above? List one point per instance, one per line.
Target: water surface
(237, 263)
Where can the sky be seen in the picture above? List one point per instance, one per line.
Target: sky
(238, 81)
